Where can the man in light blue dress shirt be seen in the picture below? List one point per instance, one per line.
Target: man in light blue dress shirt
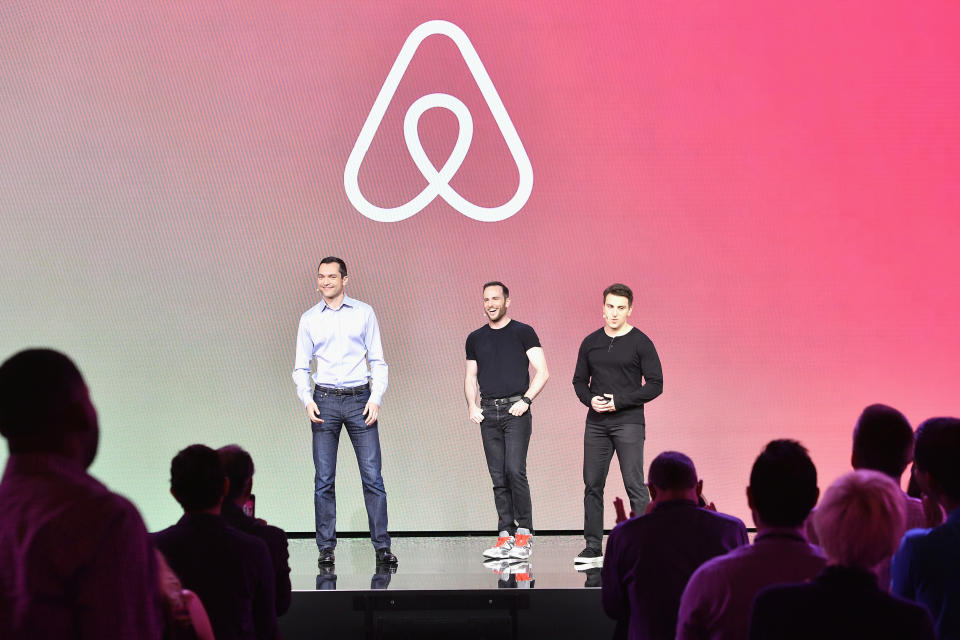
(342, 335)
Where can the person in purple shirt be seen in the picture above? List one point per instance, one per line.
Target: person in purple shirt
(783, 488)
(342, 335)
(926, 568)
(650, 558)
(75, 559)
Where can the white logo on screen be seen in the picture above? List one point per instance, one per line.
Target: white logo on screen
(438, 182)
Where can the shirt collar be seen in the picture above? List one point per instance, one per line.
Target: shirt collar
(675, 504)
(791, 533)
(347, 302)
(202, 520)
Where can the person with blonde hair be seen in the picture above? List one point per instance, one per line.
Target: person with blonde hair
(859, 523)
(883, 441)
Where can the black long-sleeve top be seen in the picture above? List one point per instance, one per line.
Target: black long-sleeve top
(626, 367)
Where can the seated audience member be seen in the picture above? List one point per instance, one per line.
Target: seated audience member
(650, 558)
(783, 489)
(883, 441)
(238, 465)
(926, 568)
(859, 522)
(229, 570)
(185, 617)
(75, 559)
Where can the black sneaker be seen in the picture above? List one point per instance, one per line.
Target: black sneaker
(385, 556)
(590, 555)
(326, 557)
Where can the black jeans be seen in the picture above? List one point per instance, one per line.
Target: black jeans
(599, 443)
(505, 441)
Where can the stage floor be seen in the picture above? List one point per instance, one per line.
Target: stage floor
(441, 589)
(449, 563)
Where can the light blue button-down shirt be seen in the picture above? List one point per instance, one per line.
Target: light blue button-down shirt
(344, 342)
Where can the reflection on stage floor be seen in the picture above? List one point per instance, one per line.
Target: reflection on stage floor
(447, 563)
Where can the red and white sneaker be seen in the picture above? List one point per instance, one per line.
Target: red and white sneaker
(523, 574)
(502, 548)
(522, 545)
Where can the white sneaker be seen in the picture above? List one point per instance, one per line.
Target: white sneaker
(498, 565)
(518, 575)
(522, 545)
(502, 548)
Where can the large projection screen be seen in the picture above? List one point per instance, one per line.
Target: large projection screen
(777, 182)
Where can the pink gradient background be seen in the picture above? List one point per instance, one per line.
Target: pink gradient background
(778, 185)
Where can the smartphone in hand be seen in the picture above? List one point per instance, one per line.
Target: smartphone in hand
(250, 506)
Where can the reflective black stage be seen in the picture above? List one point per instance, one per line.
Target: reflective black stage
(444, 588)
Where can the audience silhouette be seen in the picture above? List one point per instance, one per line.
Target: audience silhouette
(238, 466)
(926, 568)
(859, 523)
(75, 559)
(783, 488)
(230, 570)
(650, 558)
(883, 441)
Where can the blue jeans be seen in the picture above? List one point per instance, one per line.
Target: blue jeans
(337, 411)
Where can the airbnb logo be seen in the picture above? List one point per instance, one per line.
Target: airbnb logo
(438, 181)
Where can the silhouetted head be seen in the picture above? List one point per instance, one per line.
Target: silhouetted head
(783, 485)
(672, 476)
(45, 406)
(238, 467)
(197, 480)
(937, 457)
(882, 441)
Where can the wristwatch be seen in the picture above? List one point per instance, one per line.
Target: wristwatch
(527, 400)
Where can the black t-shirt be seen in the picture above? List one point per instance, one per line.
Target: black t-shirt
(503, 369)
(626, 366)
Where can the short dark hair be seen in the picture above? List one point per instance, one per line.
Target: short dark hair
(672, 470)
(238, 467)
(618, 289)
(334, 259)
(883, 440)
(28, 381)
(497, 283)
(937, 452)
(783, 483)
(196, 478)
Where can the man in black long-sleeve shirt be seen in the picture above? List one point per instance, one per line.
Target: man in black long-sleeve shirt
(618, 371)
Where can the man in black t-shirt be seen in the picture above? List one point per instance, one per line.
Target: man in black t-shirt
(499, 357)
(618, 371)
